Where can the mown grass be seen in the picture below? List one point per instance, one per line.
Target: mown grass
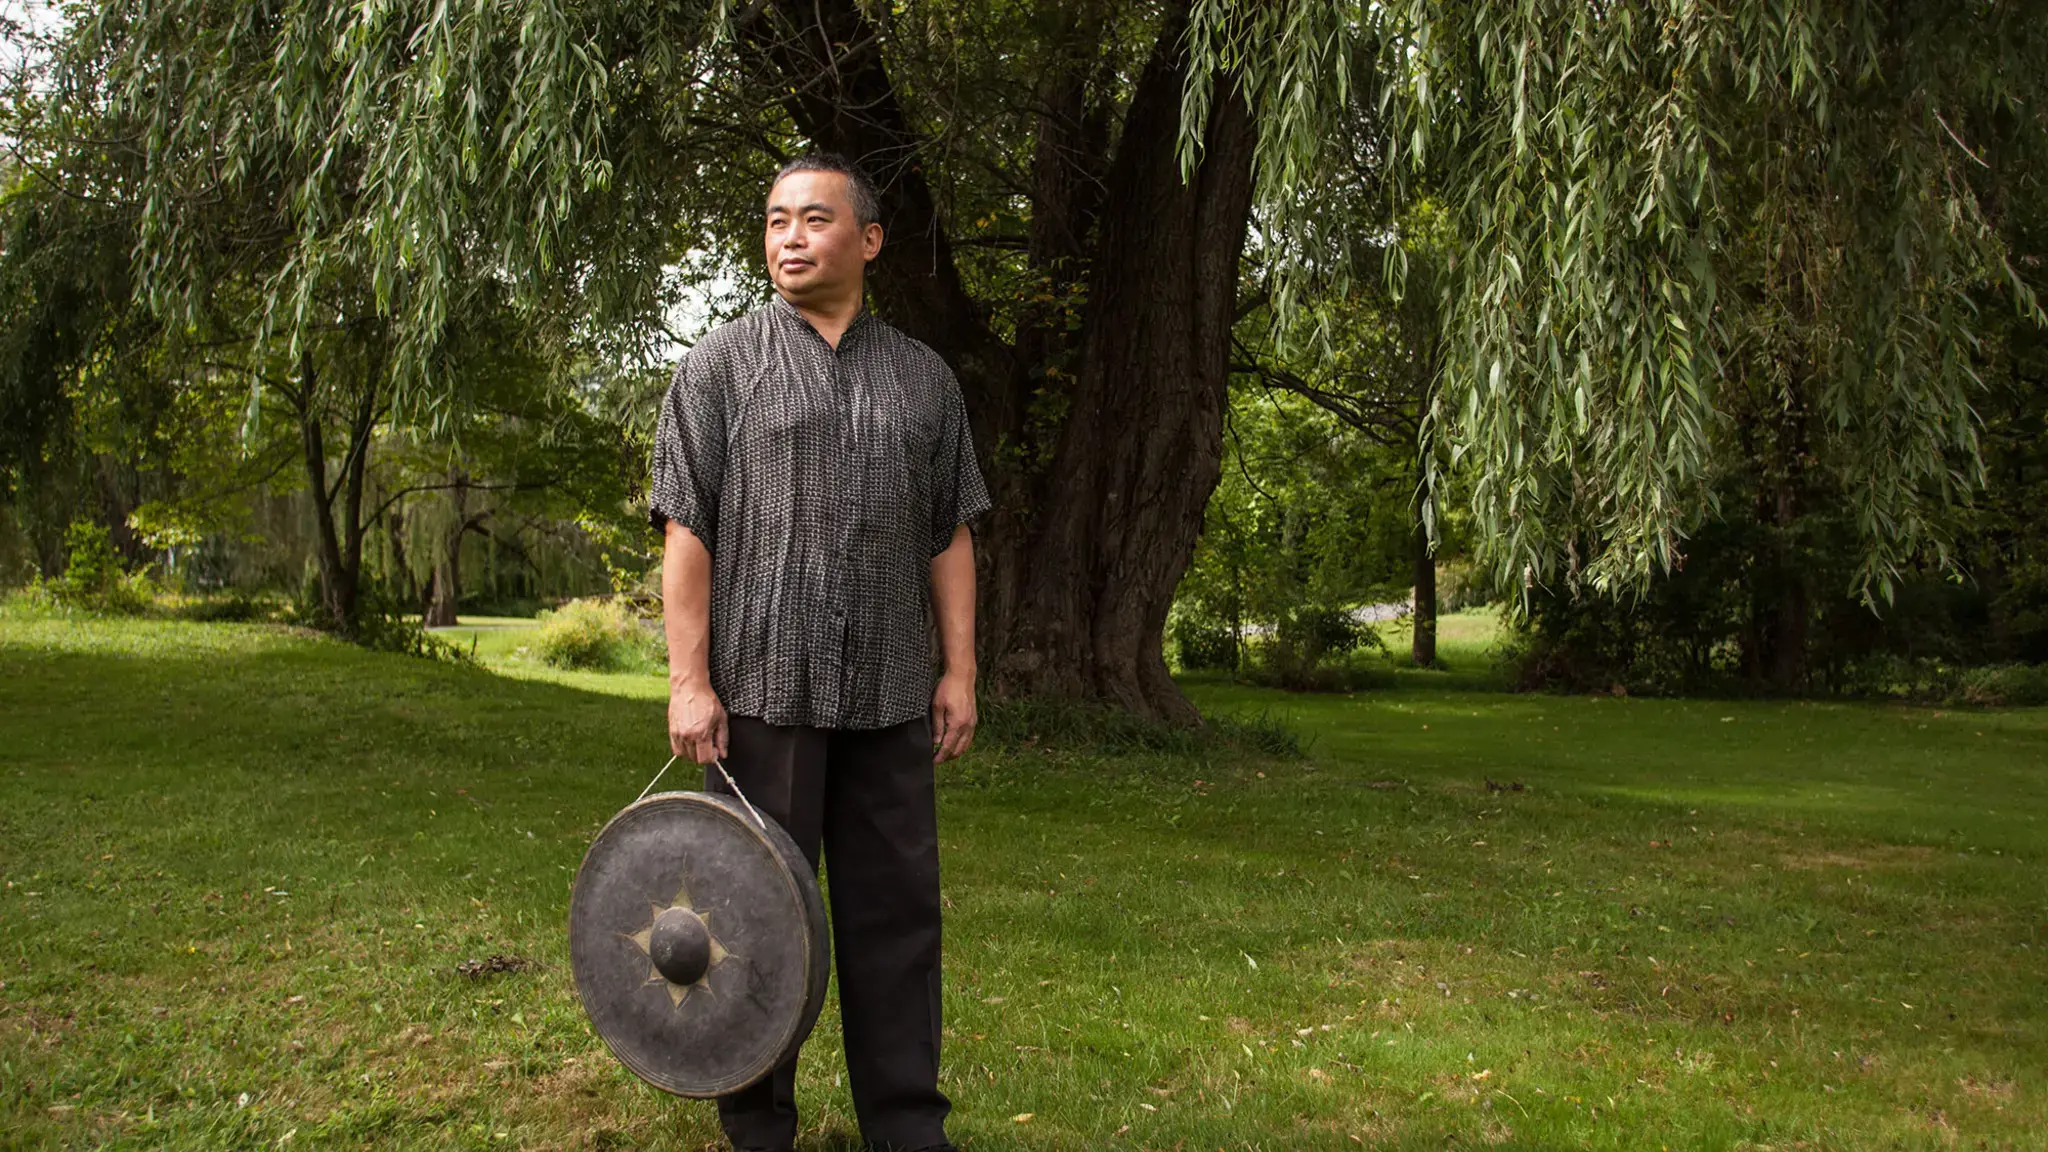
(243, 866)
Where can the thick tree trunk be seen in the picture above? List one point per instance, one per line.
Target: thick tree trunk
(1142, 447)
(1423, 647)
(1080, 561)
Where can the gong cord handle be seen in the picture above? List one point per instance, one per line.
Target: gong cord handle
(729, 782)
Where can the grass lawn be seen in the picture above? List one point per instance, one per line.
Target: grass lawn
(242, 867)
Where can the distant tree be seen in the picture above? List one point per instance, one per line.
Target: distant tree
(1374, 367)
(207, 178)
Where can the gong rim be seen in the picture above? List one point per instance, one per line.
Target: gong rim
(795, 879)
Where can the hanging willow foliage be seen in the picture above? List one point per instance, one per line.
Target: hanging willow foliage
(1663, 213)
(335, 160)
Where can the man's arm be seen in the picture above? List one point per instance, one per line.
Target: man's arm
(696, 720)
(953, 713)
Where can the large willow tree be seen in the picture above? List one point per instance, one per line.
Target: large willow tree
(1684, 231)
(1653, 208)
(406, 159)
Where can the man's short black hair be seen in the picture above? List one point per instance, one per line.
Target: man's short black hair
(867, 199)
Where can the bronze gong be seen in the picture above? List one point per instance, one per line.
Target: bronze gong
(697, 937)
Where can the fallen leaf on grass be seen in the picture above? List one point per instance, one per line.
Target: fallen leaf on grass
(1022, 1118)
(493, 965)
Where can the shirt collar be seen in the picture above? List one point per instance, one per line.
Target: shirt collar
(792, 313)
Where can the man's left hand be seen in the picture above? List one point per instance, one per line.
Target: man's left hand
(953, 717)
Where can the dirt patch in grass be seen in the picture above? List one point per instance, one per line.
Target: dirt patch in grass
(581, 1089)
(21, 1024)
(1997, 1089)
(1883, 856)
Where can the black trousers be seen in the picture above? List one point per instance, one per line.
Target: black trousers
(867, 798)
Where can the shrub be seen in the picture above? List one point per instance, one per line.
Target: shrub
(94, 578)
(598, 635)
(226, 608)
(383, 626)
(1307, 648)
(1203, 643)
(2003, 685)
(1462, 585)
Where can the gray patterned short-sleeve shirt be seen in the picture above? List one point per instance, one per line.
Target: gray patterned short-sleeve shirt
(823, 482)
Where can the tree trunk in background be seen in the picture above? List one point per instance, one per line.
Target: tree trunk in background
(1423, 647)
(339, 534)
(447, 582)
(1079, 564)
(1786, 628)
(394, 534)
(1778, 633)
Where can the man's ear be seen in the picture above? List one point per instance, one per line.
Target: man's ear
(871, 241)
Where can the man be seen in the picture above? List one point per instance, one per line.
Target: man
(814, 478)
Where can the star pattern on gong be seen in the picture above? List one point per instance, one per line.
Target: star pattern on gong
(644, 941)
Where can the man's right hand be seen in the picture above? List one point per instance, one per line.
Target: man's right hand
(696, 722)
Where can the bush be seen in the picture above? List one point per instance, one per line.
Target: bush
(1462, 585)
(1307, 648)
(93, 577)
(595, 635)
(2003, 685)
(384, 626)
(1204, 644)
(228, 608)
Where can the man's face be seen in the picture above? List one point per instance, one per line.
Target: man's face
(817, 249)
